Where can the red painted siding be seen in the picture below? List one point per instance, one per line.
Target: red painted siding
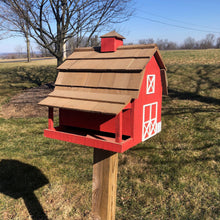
(152, 68)
(110, 44)
(95, 121)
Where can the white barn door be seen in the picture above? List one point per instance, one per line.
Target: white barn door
(150, 127)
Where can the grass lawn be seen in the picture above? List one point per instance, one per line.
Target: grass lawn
(174, 175)
(17, 76)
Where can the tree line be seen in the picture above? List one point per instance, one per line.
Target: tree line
(210, 41)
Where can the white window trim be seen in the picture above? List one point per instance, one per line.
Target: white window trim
(152, 84)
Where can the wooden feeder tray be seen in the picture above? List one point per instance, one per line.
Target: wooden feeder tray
(90, 138)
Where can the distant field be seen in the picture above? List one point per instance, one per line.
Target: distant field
(18, 76)
(201, 57)
(20, 62)
(174, 175)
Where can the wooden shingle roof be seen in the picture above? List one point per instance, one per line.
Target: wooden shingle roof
(92, 81)
(113, 34)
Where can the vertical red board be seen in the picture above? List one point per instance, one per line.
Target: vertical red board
(146, 113)
(118, 128)
(50, 118)
(153, 111)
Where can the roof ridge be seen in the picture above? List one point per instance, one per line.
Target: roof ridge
(86, 49)
(124, 47)
(133, 70)
(110, 58)
(138, 46)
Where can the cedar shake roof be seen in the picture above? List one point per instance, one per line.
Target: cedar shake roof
(113, 34)
(89, 80)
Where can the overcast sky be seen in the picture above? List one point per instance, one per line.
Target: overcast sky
(159, 19)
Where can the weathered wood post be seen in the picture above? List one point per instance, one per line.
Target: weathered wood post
(105, 169)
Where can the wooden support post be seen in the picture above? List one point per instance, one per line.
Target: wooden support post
(118, 128)
(50, 119)
(105, 169)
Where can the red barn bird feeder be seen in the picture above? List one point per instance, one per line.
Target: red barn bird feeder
(110, 97)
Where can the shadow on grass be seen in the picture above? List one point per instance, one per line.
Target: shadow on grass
(193, 96)
(24, 77)
(20, 180)
(186, 110)
(194, 80)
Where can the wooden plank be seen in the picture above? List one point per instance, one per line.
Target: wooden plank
(89, 96)
(138, 64)
(105, 169)
(82, 54)
(122, 80)
(84, 49)
(71, 78)
(132, 93)
(66, 64)
(137, 83)
(100, 80)
(139, 46)
(105, 64)
(146, 52)
(107, 80)
(83, 105)
(93, 79)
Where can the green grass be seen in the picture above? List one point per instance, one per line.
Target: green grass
(15, 77)
(174, 175)
(204, 57)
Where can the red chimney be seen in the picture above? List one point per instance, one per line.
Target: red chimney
(111, 41)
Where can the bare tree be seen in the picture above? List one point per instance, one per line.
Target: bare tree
(189, 43)
(218, 42)
(19, 51)
(208, 42)
(53, 22)
(164, 44)
(43, 52)
(1, 30)
(146, 41)
(74, 43)
(13, 23)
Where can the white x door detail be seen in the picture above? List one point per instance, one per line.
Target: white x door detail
(149, 121)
